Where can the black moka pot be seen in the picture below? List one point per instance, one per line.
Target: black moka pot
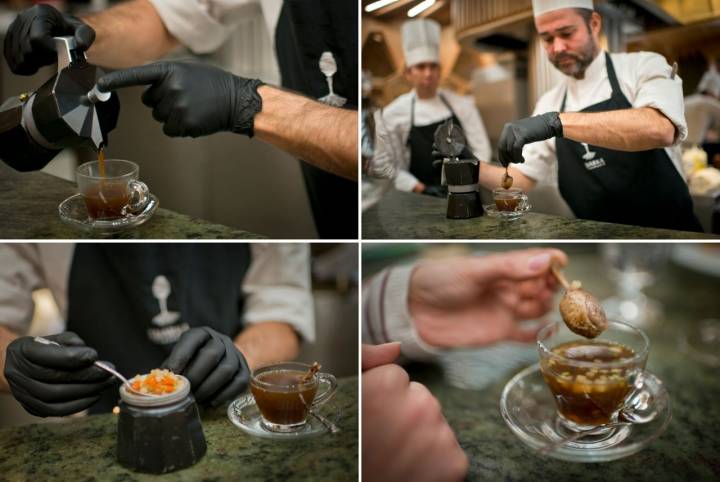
(460, 174)
(66, 111)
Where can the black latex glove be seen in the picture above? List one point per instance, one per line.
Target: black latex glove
(437, 191)
(216, 369)
(50, 380)
(525, 131)
(29, 41)
(192, 99)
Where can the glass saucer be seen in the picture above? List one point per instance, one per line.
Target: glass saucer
(244, 413)
(492, 211)
(74, 213)
(528, 408)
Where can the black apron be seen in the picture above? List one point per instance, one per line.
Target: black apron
(638, 188)
(114, 309)
(306, 29)
(420, 142)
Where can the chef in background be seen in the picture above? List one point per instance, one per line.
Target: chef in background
(702, 109)
(609, 128)
(406, 127)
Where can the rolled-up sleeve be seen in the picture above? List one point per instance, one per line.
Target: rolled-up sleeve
(202, 25)
(656, 89)
(277, 287)
(20, 274)
(386, 316)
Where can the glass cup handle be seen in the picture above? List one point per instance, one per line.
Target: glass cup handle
(139, 197)
(330, 384)
(523, 201)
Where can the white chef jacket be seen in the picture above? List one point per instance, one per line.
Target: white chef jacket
(393, 128)
(700, 112)
(276, 285)
(204, 25)
(644, 78)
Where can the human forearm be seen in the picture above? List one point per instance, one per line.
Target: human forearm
(127, 35)
(268, 342)
(323, 136)
(491, 177)
(623, 130)
(6, 337)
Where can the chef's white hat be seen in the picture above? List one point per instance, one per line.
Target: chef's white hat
(710, 82)
(421, 41)
(545, 6)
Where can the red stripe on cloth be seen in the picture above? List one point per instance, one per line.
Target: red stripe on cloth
(383, 327)
(367, 319)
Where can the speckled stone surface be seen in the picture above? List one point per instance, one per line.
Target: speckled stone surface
(402, 215)
(29, 210)
(84, 450)
(688, 451)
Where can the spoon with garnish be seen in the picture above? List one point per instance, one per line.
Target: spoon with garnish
(579, 309)
(507, 180)
(102, 366)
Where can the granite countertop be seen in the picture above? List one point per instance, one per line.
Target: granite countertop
(688, 450)
(84, 449)
(402, 215)
(29, 210)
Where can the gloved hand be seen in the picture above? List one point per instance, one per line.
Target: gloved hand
(525, 131)
(51, 380)
(437, 191)
(192, 99)
(216, 369)
(29, 41)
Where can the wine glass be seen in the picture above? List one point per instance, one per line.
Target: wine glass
(633, 267)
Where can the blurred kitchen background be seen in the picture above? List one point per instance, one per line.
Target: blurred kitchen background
(224, 178)
(490, 50)
(669, 290)
(335, 294)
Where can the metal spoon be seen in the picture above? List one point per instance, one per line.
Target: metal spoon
(327, 423)
(125, 381)
(100, 365)
(639, 409)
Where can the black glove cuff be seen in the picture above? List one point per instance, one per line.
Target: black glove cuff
(247, 103)
(553, 121)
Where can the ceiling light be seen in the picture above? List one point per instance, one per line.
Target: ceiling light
(378, 5)
(420, 7)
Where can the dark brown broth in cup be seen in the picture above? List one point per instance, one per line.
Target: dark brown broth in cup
(106, 199)
(281, 403)
(588, 395)
(507, 204)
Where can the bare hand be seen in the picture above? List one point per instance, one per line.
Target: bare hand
(405, 435)
(419, 187)
(472, 301)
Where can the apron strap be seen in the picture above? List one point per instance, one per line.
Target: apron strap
(442, 99)
(614, 84)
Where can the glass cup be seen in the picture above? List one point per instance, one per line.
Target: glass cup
(117, 194)
(512, 199)
(592, 379)
(284, 399)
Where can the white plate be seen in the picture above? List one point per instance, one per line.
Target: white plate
(244, 414)
(74, 213)
(699, 257)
